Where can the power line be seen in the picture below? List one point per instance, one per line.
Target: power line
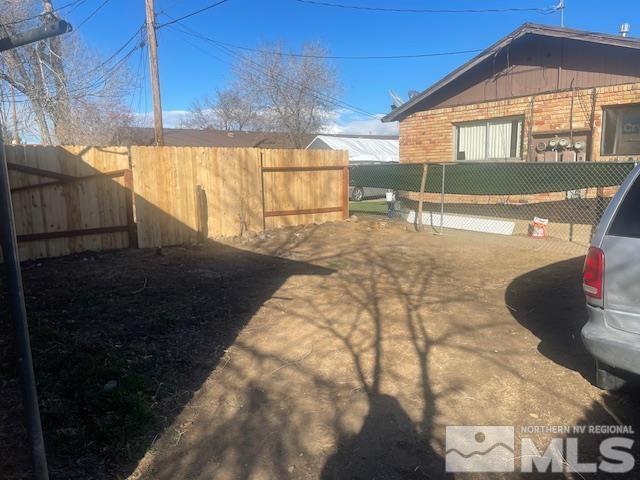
(347, 57)
(184, 17)
(427, 10)
(92, 14)
(261, 69)
(76, 6)
(117, 52)
(104, 76)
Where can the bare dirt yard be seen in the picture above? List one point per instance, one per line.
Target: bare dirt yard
(336, 351)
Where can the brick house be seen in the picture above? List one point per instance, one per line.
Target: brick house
(539, 94)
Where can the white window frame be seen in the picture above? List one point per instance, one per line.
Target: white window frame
(486, 123)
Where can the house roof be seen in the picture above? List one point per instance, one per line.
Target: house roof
(187, 137)
(362, 148)
(526, 29)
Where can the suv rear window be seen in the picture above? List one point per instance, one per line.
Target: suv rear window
(627, 220)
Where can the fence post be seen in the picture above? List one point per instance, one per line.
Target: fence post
(202, 214)
(423, 182)
(130, 206)
(345, 193)
(444, 166)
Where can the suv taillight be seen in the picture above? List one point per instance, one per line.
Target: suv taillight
(593, 273)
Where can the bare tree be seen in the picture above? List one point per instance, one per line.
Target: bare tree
(293, 93)
(274, 91)
(70, 93)
(228, 110)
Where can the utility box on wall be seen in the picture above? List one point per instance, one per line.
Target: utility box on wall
(563, 146)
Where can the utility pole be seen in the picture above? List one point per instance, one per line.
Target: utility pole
(155, 75)
(52, 27)
(561, 8)
(16, 134)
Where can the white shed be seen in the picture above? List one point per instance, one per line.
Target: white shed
(361, 148)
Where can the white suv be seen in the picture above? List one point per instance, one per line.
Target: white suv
(612, 287)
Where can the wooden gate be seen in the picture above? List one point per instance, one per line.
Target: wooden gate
(304, 186)
(69, 200)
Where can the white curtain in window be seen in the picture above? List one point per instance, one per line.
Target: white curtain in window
(472, 141)
(499, 142)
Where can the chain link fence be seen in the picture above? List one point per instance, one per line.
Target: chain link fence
(547, 201)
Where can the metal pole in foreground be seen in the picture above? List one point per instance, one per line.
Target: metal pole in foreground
(16, 302)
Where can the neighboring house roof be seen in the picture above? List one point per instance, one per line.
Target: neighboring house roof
(187, 137)
(361, 148)
(527, 29)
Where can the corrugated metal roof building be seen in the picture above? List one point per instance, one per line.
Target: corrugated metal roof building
(362, 149)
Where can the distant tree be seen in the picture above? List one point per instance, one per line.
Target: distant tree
(273, 91)
(228, 110)
(293, 94)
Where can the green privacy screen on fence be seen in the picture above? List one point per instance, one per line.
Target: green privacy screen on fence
(492, 178)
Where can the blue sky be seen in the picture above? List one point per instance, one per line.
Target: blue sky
(190, 68)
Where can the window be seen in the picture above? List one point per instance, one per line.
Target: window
(627, 220)
(621, 131)
(489, 140)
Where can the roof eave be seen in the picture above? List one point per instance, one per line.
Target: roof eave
(398, 114)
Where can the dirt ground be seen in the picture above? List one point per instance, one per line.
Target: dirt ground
(336, 351)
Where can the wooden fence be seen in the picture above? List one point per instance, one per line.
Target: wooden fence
(73, 199)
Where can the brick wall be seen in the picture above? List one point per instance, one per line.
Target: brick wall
(429, 136)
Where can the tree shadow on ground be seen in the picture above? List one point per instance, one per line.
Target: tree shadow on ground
(550, 303)
(388, 446)
(121, 341)
(324, 395)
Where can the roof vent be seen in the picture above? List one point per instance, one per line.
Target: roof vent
(624, 29)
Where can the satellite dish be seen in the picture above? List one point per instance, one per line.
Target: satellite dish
(396, 100)
(413, 94)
